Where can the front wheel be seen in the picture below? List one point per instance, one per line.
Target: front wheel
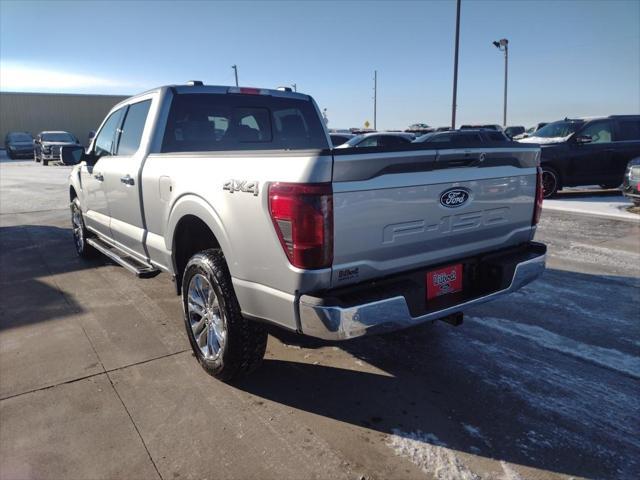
(550, 182)
(226, 344)
(80, 232)
(45, 162)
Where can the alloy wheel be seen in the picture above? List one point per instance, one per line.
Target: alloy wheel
(206, 320)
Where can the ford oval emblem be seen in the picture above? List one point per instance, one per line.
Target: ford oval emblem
(454, 197)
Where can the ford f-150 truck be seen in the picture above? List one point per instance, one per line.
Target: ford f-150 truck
(238, 195)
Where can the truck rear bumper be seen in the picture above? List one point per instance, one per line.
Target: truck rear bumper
(341, 316)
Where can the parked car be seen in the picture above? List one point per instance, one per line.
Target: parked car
(340, 138)
(631, 182)
(490, 126)
(463, 137)
(332, 245)
(511, 132)
(378, 139)
(47, 145)
(18, 144)
(530, 131)
(593, 151)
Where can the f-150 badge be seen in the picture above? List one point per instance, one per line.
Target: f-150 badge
(241, 186)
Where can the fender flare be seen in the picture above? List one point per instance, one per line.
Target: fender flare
(197, 206)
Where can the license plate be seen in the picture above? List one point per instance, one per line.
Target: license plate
(444, 280)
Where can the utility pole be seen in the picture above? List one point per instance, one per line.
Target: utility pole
(503, 46)
(295, 87)
(375, 99)
(235, 70)
(455, 68)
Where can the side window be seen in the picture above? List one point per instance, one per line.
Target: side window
(444, 138)
(369, 142)
(393, 141)
(628, 130)
(496, 136)
(600, 132)
(470, 139)
(131, 132)
(106, 136)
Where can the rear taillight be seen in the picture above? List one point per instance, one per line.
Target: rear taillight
(537, 209)
(302, 215)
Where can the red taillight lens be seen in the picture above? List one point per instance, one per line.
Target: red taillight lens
(303, 218)
(537, 209)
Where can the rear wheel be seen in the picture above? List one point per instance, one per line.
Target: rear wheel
(550, 182)
(226, 344)
(45, 162)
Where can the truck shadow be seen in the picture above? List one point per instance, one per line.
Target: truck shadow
(29, 256)
(520, 381)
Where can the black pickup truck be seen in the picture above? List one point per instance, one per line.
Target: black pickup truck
(593, 151)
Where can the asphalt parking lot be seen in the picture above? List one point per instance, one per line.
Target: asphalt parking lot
(97, 379)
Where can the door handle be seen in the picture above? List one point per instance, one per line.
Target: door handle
(127, 180)
(99, 177)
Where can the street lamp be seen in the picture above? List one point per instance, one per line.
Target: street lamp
(503, 46)
(235, 70)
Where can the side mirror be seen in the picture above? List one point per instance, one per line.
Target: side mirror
(72, 155)
(583, 139)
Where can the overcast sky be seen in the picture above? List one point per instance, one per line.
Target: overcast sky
(567, 58)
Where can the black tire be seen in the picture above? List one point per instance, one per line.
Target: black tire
(636, 202)
(245, 341)
(550, 182)
(80, 232)
(45, 162)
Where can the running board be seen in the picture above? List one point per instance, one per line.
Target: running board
(142, 270)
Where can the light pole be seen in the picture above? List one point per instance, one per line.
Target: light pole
(375, 99)
(235, 70)
(295, 87)
(455, 68)
(503, 46)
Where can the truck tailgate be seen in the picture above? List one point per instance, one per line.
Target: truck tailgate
(403, 210)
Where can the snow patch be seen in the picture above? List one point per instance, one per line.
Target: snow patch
(430, 454)
(544, 140)
(605, 357)
(615, 207)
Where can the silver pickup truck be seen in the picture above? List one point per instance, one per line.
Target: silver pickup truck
(237, 194)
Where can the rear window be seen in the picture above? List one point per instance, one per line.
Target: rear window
(629, 130)
(20, 137)
(202, 122)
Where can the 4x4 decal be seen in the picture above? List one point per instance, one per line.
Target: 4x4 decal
(241, 186)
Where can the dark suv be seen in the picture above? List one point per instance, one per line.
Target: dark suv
(593, 151)
(19, 144)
